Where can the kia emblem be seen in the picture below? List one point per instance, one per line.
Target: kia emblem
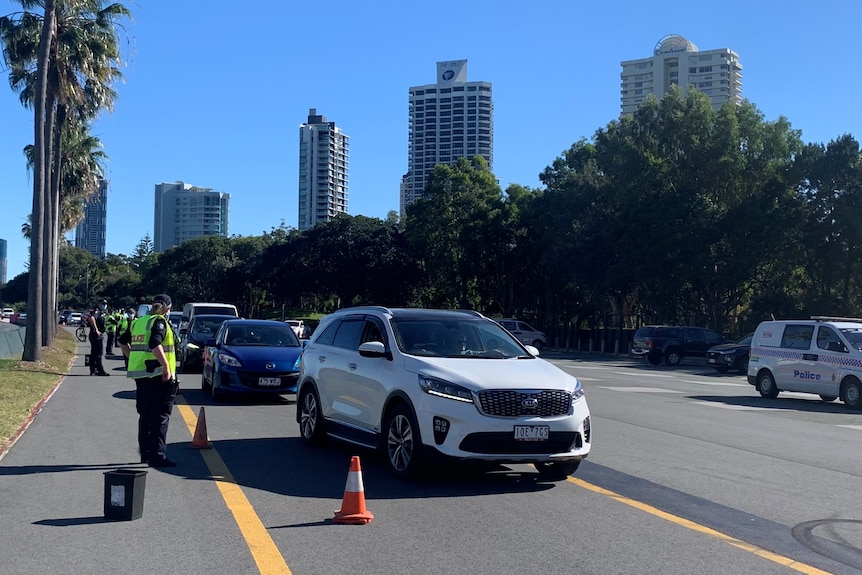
(530, 403)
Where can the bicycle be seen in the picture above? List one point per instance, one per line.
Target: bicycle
(81, 333)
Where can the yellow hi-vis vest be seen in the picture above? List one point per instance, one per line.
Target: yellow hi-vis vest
(141, 353)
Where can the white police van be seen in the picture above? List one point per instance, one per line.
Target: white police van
(822, 355)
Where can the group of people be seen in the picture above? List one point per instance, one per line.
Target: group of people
(148, 346)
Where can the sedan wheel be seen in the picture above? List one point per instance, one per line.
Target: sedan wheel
(766, 385)
(402, 442)
(310, 417)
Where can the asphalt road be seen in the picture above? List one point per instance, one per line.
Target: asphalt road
(691, 472)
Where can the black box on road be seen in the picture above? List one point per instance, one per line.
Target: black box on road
(124, 493)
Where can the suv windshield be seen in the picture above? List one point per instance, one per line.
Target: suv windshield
(448, 337)
(854, 336)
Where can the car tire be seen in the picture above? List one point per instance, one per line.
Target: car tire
(654, 359)
(402, 442)
(205, 385)
(766, 385)
(742, 365)
(672, 358)
(828, 398)
(538, 344)
(721, 368)
(217, 393)
(556, 470)
(853, 394)
(311, 429)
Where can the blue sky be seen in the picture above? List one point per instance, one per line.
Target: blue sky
(214, 91)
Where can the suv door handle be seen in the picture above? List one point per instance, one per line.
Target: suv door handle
(352, 366)
(321, 358)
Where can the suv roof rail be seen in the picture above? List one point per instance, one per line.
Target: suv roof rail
(367, 307)
(831, 318)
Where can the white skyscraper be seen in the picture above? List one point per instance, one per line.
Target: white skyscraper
(183, 211)
(449, 120)
(675, 60)
(91, 232)
(323, 162)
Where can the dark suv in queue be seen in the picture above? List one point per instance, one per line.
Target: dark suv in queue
(673, 343)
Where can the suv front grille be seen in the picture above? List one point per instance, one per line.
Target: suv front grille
(520, 403)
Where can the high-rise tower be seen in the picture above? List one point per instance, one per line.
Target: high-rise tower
(183, 211)
(449, 120)
(675, 60)
(91, 231)
(322, 171)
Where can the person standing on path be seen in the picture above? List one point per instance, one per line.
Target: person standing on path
(152, 364)
(96, 322)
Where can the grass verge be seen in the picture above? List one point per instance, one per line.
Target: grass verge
(24, 383)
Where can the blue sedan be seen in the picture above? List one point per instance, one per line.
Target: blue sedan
(251, 355)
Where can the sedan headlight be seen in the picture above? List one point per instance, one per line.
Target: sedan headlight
(445, 389)
(229, 360)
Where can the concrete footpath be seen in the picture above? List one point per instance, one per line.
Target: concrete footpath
(52, 490)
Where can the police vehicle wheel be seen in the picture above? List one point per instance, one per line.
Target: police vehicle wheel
(766, 385)
(828, 398)
(402, 442)
(556, 470)
(310, 417)
(853, 394)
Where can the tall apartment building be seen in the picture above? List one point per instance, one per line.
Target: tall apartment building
(184, 211)
(449, 120)
(91, 231)
(3, 262)
(675, 60)
(322, 171)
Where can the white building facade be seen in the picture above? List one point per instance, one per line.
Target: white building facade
(323, 169)
(675, 60)
(184, 211)
(448, 120)
(91, 232)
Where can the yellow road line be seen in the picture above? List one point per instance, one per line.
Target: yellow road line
(263, 549)
(759, 551)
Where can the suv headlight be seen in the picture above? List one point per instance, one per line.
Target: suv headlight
(445, 389)
(579, 391)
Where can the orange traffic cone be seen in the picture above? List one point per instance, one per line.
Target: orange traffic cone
(353, 511)
(201, 440)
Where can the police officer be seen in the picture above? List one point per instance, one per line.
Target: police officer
(110, 329)
(152, 364)
(96, 322)
(124, 334)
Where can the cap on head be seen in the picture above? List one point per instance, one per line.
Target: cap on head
(163, 299)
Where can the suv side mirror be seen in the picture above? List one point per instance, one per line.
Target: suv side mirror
(374, 349)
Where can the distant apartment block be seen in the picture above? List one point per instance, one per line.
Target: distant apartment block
(675, 60)
(448, 120)
(91, 231)
(323, 160)
(184, 211)
(3, 262)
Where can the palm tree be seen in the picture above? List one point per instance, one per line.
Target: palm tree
(71, 80)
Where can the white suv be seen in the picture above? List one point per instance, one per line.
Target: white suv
(419, 382)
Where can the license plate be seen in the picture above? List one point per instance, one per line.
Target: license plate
(269, 381)
(532, 432)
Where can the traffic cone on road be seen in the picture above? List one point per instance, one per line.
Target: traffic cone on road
(353, 511)
(201, 440)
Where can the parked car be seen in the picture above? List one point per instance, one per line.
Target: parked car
(7, 312)
(64, 316)
(190, 309)
(821, 355)
(673, 343)
(298, 327)
(193, 340)
(75, 318)
(256, 355)
(525, 333)
(419, 382)
(734, 355)
(174, 318)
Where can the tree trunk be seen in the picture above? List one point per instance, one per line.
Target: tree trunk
(35, 291)
(50, 230)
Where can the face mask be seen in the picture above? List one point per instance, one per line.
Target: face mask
(103, 307)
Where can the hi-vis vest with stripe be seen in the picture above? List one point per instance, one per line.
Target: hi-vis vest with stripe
(141, 353)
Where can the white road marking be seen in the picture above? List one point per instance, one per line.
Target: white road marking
(641, 389)
(859, 427)
(589, 378)
(726, 383)
(630, 373)
(735, 407)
